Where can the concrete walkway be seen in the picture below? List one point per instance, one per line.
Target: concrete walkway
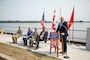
(73, 51)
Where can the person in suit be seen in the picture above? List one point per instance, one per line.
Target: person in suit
(62, 29)
(42, 37)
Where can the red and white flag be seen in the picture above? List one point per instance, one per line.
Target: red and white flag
(53, 21)
(43, 20)
(71, 20)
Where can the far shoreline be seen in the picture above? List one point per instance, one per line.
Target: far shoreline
(39, 21)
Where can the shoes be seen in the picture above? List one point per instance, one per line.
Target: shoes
(61, 52)
(13, 42)
(25, 45)
(36, 48)
(45, 41)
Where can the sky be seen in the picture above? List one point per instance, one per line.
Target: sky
(32, 10)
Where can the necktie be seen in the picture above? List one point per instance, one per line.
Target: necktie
(60, 25)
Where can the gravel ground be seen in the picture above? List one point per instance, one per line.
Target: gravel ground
(22, 54)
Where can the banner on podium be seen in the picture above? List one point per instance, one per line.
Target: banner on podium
(54, 39)
(54, 35)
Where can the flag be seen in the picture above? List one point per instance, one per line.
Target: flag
(43, 20)
(71, 20)
(53, 21)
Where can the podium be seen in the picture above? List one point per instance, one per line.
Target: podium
(54, 42)
(61, 38)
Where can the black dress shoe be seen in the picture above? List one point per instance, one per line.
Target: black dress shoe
(60, 52)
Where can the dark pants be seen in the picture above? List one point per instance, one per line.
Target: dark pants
(25, 41)
(65, 43)
(38, 39)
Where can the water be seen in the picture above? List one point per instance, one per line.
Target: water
(78, 35)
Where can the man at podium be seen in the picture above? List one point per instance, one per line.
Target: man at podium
(62, 29)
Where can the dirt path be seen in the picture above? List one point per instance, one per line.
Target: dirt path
(22, 54)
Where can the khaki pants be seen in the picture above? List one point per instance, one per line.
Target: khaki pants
(14, 38)
(31, 41)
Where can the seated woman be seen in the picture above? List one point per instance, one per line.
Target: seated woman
(42, 37)
(34, 37)
(28, 36)
(17, 35)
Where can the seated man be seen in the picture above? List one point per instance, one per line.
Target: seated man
(33, 39)
(28, 36)
(42, 37)
(17, 35)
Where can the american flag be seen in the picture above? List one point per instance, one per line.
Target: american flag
(53, 21)
(43, 20)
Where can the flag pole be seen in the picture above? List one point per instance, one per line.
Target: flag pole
(73, 28)
(60, 10)
(43, 19)
(69, 37)
(70, 23)
(60, 13)
(54, 21)
(73, 32)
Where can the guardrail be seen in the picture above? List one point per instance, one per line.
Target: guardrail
(77, 36)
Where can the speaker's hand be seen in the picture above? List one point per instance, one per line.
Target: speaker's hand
(62, 34)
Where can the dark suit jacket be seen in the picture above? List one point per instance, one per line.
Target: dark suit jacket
(45, 34)
(63, 28)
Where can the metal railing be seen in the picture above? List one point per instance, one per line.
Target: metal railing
(10, 29)
(78, 38)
